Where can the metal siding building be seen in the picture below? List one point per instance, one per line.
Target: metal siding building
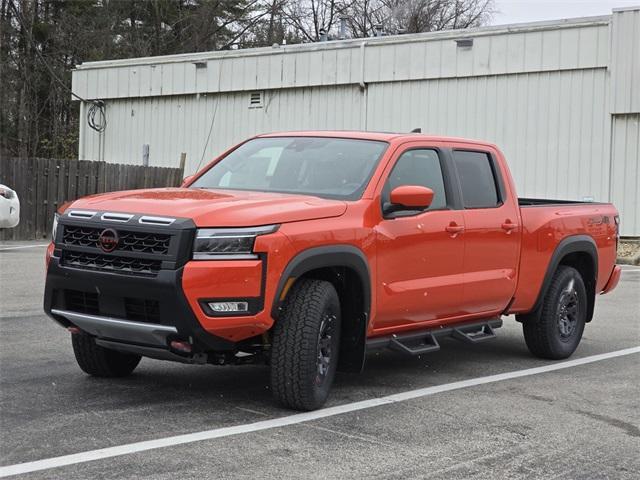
(562, 99)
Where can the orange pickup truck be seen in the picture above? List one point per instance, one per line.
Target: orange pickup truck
(306, 250)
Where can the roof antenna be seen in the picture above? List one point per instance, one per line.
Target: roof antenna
(416, 130)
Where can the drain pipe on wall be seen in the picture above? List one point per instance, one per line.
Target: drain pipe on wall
(363, 87)
(82, 134)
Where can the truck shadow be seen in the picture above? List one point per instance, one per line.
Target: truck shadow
(453, 362)
(385, 372)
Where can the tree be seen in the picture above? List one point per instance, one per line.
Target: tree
(311, 17)
(416, 16)
(41, 41)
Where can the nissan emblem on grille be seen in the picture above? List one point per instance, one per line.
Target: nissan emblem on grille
(108, 240)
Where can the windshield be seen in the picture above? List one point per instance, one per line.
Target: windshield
(325, 167)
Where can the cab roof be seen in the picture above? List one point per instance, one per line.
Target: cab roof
(379, 136)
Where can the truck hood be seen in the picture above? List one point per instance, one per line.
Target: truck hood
(215, 208)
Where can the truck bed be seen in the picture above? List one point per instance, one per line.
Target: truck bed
(546, 225)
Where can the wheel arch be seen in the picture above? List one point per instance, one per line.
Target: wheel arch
(347, 269)
(581, 253)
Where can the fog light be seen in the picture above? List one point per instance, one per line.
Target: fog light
(229, 307)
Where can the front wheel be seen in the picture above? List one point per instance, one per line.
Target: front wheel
(306, 341)
(99, 361)
(555, 331)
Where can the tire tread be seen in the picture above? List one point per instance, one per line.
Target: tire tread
(293, 354)
(99, 361)
(539, 328)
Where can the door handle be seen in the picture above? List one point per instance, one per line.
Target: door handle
(453, 228)
(508, 226)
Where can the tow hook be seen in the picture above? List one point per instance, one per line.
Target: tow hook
(180, 346)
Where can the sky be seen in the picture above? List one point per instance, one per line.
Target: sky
(519, 11)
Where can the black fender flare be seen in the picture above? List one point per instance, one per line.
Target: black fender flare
(568, 245)
(326, 256)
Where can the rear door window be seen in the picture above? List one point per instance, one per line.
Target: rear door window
(477, 179)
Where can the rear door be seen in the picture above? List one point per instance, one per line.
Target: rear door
(492, 233)
(419, 253)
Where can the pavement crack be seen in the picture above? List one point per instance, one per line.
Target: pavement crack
(539, 398)
(349, 435)
(256, 412)
(478, 462)
(627, 427)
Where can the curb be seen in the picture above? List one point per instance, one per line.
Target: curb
(635, 260)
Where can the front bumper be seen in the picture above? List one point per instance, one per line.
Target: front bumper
(100, 304)
(150, 280)
(120, 330)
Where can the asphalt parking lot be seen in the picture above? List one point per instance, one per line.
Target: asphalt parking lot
(576, 422)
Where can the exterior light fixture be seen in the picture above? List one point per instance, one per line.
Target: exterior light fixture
(229, 307)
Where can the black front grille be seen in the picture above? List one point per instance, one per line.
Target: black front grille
(81, 302)
(110, 263)
(81, 236)
(136, 309)
(142, 310)
(139, 242)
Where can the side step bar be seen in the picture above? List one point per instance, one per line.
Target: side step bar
(426, 341)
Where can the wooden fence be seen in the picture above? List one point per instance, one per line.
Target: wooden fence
(44, 184)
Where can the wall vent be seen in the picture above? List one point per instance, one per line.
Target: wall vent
(256, 99)
(465, 43)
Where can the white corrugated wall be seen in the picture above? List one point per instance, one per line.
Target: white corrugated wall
(171, 125)
(624, 71)
(544, 46)
(625, 171)
(624, 63)
(561, 100)
(553, 126)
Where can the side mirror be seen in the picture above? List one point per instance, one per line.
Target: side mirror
(411, 197)
(186, 180)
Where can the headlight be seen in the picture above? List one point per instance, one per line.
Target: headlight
(228, 243)
(54, 228)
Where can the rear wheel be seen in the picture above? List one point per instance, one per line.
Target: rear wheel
(306, 341)
(102, 362)
(555, 331)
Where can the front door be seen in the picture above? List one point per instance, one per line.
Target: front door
(419, 253)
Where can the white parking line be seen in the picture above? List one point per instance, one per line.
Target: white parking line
(126, 449)
(2, 249)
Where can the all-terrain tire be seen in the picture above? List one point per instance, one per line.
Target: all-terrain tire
(554, 332)
(306, 341)
(99, 361)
